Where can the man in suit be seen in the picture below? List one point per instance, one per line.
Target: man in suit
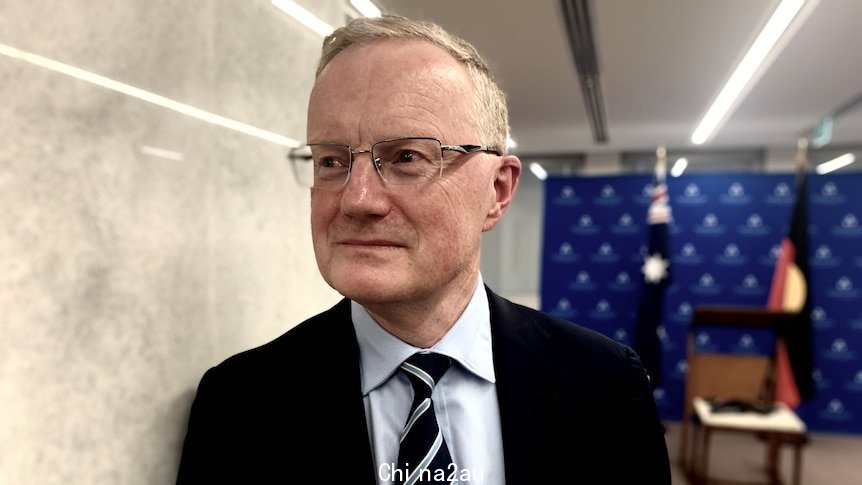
(408, 167)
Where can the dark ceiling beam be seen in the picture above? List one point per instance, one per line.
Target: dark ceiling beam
(576, 15)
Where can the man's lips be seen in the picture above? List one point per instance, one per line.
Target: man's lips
(370, 243)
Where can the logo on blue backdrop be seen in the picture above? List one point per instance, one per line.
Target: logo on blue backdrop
(582, 282)
(781, 195)
(680, 369)
(828, 195)
(843, 289)
(735, 195)
(585, 225)
(567, 197)
(710, 226)
(823, 257)
(620, 335)
(839, 350)
(640, 255)
(754, 226)
(703, 342)
(666, 343)
(603, 311)
(856, 323)
(645, 196)
(835, 411)
(605, 254)
(683, 313)
(688, 255)
(691, 195)
(625, 225)
(820, 381)
(854, 384)
(819, 318)
(731, 256)
(771, 257)
(563, 309)
(608, 196)
(746, 345)
(660, 397)
(849, 227)
(623, 282)
(565, 254)
(706, 285)
(749, 287)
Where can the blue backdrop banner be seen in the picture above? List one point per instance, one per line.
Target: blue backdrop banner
(724, 239)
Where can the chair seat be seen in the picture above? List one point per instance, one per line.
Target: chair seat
(779, 426)
(780, 420)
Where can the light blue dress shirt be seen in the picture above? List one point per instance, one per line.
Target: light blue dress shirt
(465, 399)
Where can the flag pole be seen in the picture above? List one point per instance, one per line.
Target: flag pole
(660, 164)
(801, 159)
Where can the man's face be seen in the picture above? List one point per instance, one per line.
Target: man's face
(379, 243)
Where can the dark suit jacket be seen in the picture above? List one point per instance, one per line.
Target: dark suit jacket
(575, 407)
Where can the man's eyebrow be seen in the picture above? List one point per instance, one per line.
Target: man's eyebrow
(325, 142)
(328, 141)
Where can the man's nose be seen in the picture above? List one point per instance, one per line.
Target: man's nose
(363, 169)
(365, 191)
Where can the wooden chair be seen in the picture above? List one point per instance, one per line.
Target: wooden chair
(739, 379)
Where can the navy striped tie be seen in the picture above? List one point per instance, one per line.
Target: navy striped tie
(423, 454)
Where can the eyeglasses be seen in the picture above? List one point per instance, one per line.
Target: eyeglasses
(403, 161)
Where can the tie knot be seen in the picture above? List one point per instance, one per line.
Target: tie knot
(424, 370)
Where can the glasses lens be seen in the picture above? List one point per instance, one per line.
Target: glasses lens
(409, 160)
(303, 168)
(324, 166)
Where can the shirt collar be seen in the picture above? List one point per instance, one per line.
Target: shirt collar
(468, 342)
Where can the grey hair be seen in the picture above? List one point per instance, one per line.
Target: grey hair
(489, 102)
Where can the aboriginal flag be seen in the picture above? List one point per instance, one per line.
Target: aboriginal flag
(790, 291)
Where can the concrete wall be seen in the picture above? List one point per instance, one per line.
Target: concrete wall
(123, 275)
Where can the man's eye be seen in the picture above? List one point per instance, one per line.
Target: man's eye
(407, 156)
(331, 162)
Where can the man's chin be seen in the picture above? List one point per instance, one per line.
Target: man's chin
(379, 287)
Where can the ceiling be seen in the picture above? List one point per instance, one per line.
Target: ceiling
(661, 63)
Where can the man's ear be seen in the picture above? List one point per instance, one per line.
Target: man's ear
(505, 184)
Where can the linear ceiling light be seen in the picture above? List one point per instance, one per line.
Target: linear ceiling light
(161, 152)
(835, 163)
(744, 73)
(539, 171)
(304, 17)
(679, 167)
(366, 8)
(144, 95)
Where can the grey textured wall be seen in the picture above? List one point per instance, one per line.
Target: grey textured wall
(124, 276)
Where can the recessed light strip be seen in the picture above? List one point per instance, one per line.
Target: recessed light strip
(835, 163)
(747, 68)
(539, 171)
(144, 95)
(679, 167)
(161, 152)
(366, 8)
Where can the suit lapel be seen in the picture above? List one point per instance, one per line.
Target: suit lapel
(346, 414)
(529, 400)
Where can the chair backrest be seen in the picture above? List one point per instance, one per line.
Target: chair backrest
(713, 375)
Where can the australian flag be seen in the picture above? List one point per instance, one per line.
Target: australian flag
(656, 273)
